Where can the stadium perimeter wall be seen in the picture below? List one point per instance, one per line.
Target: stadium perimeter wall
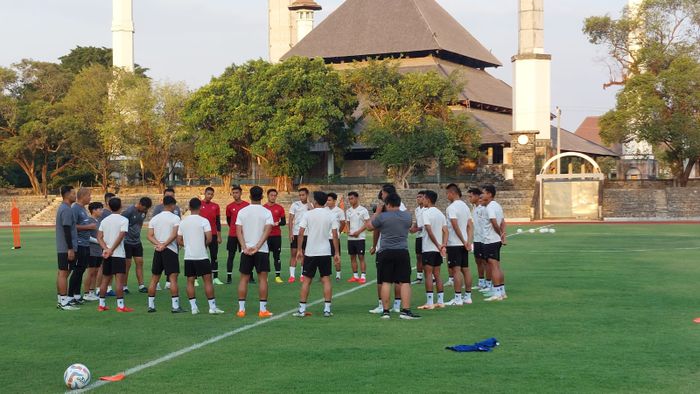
(650, 200)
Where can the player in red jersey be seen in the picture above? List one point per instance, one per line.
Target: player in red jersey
(212, 212)
(274, 241)
(232, 245)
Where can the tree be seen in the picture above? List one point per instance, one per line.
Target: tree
(274, 113)
(655, 50)
(82, 57)
(151, 123)
(664, 110)
(33, 134)
(410, 123)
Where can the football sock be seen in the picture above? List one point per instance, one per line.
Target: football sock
(355, 275)
(229, 276)
(419, 276)
(277, 273)
(193, 303)
(175, 302)
(337, 275)
(263, 305)
(397, 303)
(120, 303)
(302, 307)
(212, 303)
(292, 272)
(241, 305)
(429, 297)
(102, 302)
(327, 306)
(152, 302)
(441, 298)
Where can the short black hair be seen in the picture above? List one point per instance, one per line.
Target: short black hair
(169, 190)
(209, 188)
(169, 200)
(256, 193)
(421, 193)
(145, 202)
(272, 191)
(109, 196)
(393, 200)
(454, 188)
(195, 204)
(333, 196)
(490, 189)
(93, 206)
(474, 190)
(389, 188)
(305, 190)
(115, 204)
(236, 187)
(65, 190)
(354, 194)
(432, 196)
(320, 197)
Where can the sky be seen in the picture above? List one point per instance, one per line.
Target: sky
(193, 40)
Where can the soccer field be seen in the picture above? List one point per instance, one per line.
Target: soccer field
(592, 308)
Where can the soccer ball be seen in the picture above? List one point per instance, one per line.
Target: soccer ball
(543, 230)
(77, 376)
(520, 230)
(551, 230)
(531, 231)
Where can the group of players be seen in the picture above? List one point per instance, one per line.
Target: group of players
(103, 239)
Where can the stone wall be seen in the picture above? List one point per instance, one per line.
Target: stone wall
(650, 200)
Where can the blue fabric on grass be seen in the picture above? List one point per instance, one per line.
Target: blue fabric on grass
(483, 346)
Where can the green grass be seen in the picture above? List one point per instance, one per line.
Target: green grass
(592, 308)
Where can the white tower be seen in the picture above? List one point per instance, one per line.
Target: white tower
(304, 10)
(282, 28)
(123, 34)
(532, 73)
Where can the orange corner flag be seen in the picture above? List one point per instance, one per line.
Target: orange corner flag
(15, 226)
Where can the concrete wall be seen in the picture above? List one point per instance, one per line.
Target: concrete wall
(650, 200)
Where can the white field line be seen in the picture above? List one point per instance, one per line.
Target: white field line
(215, 339)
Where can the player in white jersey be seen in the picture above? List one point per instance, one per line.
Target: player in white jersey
(494, 237)
(162, 233)
(418, 230)
(339, 217)
(296, 214)
(478, 215)
(434, 249)
(316, 224)
(358, 222)
(253, 226)
(110, 235)
(459, 243)
(194, 234)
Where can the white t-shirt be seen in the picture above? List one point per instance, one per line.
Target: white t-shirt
(163, 225)
(356, 219)
(338, 216)
(436, 220)
(493, 211)
(478, 218)
(457, 210)
(298, 209)
(111, 228)
(419, 220)
(253, 220)
(192, 229)
(317, 223)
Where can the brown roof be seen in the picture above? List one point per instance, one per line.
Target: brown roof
(571, 142)
(358, 29)
(590, 130)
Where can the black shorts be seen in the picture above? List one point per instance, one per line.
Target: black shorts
(394, 266)
(433, 259)
(340, 246)
(419, 246)
(457, 256)
(133, 250)
(82, 257)
(64, 264)
(167, 261)
(114, 265)
(492, 251)
(197, 268)
(356, 247)
(95, 262)
(274, 243)
(232, 245)
(295, 241)
(260, 261)
(320, 263)
(479, 250)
